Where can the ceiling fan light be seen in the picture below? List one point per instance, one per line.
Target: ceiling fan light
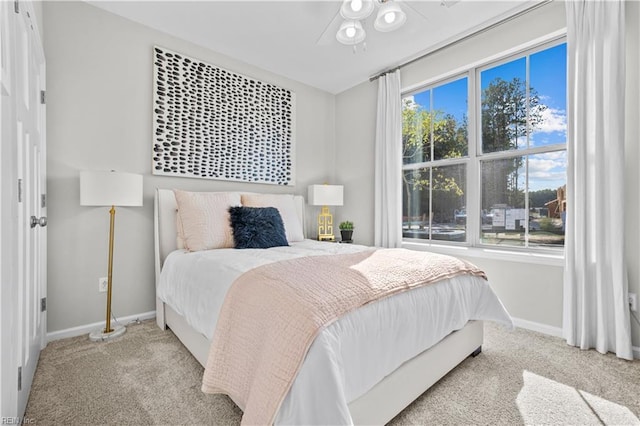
(390, 17)
(356, 9)
(351, 33)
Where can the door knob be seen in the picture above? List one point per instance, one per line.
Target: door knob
(35, 221)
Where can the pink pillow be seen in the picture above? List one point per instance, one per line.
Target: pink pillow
(180, 236)
(205, 220)
(286, 206)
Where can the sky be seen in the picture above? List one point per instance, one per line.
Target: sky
(547, 74)
(451, 98)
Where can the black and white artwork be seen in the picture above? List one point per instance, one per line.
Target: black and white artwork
(212, 123)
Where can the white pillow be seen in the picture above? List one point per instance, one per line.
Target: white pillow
(286, 206)
(204, 217)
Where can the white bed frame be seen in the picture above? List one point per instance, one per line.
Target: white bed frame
(380, 404)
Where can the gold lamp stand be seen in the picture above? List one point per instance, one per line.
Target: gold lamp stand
(325, 225)
(325, 196)
(109, 333)
(104, 189)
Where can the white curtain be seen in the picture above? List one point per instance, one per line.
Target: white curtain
(388, 163)
(596, 313)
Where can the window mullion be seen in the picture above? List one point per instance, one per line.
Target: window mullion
(517, 153)
(474, 207)
(430, 221)
(526, 157)
(431, 145)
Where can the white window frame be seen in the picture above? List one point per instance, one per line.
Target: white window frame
(473, 247)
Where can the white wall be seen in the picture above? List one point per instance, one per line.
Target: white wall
(99, 103)
(530, 292)
(355, 137)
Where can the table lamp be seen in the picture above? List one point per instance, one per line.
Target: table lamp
(325, 196)
(100, 188)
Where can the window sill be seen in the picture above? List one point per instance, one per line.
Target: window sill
(539, 258)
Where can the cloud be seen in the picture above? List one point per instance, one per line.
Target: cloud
(553, 120)
(548, 167)
(409, 102)
(555, 155)
(546, 176)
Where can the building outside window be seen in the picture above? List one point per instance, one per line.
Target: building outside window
(484, 154)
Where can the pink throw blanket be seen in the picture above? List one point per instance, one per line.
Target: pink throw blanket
(272, 313)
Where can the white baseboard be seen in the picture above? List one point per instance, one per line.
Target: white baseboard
(554, 331)
(536, 326)
(85, 329)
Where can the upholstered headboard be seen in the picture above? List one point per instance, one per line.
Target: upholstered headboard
(165, 230)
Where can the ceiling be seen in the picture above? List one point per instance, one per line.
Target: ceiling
(296, 39)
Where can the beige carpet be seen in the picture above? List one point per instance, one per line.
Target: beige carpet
(521, 377)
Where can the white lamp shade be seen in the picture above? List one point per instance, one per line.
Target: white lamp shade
(350, 33)
(325, 195)
(390, 17)
(110, 189)
(356, 9)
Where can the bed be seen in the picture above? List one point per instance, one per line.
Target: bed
(376, 397)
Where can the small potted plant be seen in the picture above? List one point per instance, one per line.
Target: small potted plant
(346, 231)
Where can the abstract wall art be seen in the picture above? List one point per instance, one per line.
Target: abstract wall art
(212, 123)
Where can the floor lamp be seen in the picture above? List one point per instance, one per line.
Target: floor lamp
(110, 189)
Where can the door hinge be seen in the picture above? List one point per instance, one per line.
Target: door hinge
(16, 6)
(19, 190)
(19, 379)
(43, 304)
(43, 97)
(43, 200)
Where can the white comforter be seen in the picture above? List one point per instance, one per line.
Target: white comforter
(349, 356)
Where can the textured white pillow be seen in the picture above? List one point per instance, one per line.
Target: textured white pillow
(285, 205)
(205, 219)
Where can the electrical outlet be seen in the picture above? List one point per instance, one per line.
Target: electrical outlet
(102, 284)
(633, 301)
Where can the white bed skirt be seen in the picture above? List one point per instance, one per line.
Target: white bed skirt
(391, 395)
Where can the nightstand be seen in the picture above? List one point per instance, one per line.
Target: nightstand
(337, 241)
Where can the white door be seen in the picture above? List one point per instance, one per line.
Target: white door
(8, 213)
(24, 214)
(31, 203)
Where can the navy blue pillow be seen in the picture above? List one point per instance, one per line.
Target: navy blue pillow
(257, 227)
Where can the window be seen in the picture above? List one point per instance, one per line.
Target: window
(500, 182)
(435, 153)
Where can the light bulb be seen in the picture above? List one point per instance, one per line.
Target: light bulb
(356, 5)
(389, 17)
(350, 33)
